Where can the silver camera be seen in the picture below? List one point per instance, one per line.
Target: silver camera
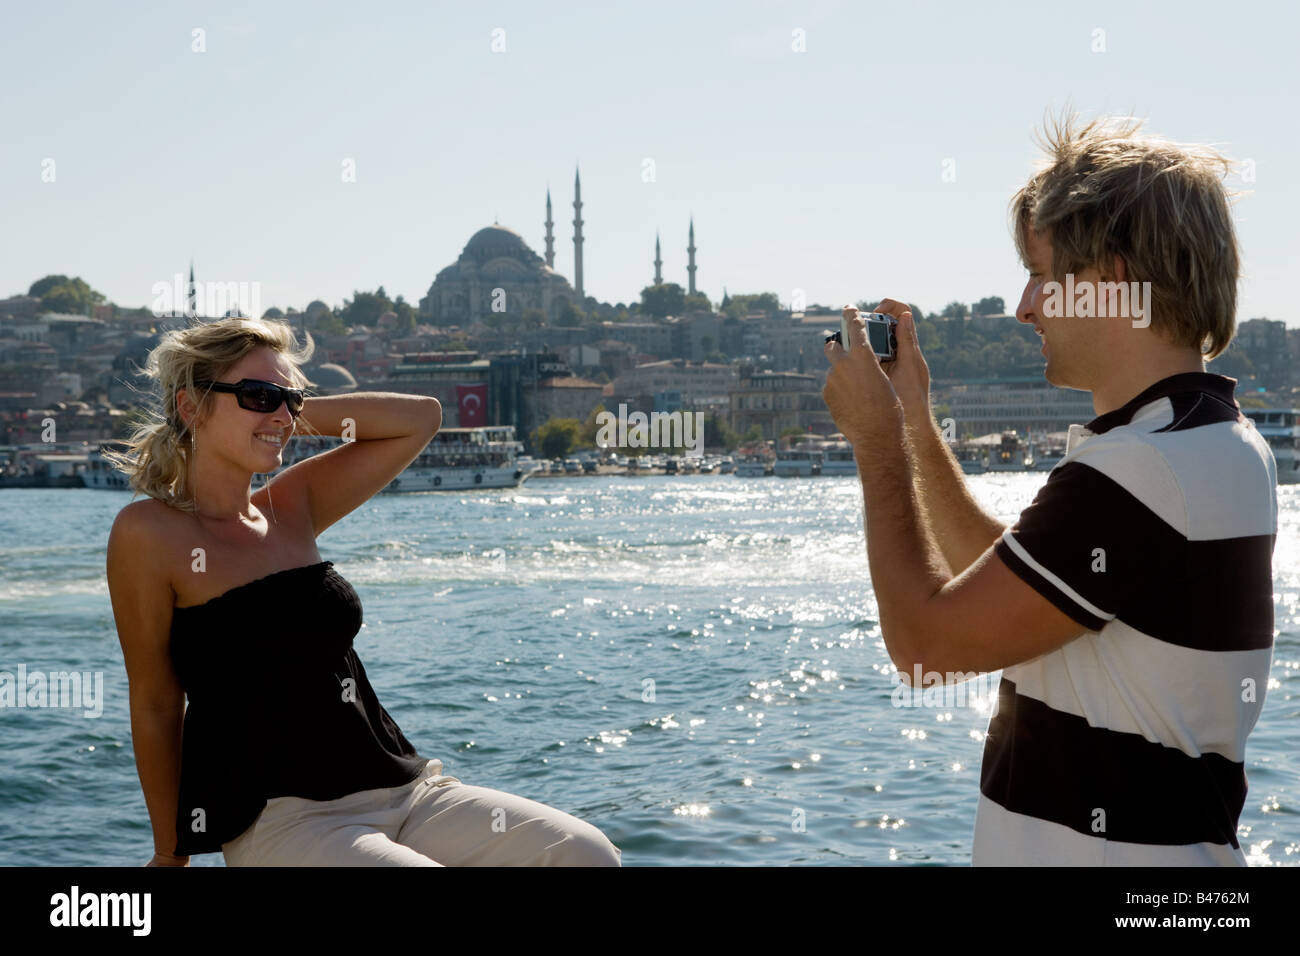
(881, 334)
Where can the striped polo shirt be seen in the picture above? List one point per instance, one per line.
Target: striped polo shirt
(1127, 746)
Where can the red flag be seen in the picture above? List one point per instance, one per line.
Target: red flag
(471, 405)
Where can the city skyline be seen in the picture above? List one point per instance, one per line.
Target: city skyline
(269, 149)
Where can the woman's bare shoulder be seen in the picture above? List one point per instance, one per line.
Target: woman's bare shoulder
(147, 517)
(144, 535)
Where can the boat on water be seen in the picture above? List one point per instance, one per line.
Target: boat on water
(838, 459)
(1048, 454)
(753, 466)
(99, 471)
(1010, 455)
(457, 459)
(797, 462)
(1280, 427)
(972, 458)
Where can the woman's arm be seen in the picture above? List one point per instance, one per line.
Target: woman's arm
(142, 608)
(385, 431)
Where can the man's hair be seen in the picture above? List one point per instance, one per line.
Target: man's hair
(1160, 206)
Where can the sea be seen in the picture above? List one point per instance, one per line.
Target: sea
(691, 663)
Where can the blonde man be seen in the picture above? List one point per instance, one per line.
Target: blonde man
(1130, 606)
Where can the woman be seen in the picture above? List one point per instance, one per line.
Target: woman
(284, 756)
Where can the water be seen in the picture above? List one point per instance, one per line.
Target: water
(512, 634)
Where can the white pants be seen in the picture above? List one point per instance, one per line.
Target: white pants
(435, 820)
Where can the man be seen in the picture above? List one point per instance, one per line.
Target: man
(1130, 607)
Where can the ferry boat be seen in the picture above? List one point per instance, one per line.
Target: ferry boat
(99, 471)
(799, 462)
(838, 459)
(1048, 453)
(1009, 455)
(752, 466)
(972, 459)
(1280, 427)
(456, 459)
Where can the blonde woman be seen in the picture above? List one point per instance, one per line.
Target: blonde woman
(284, 755)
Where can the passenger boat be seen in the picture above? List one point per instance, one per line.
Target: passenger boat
(838, 459)
(972, 459)
(1047, 453)
(1009, 455)
(456, 459)
(798, 462)
(1280, 427)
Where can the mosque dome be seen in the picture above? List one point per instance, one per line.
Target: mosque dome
(331, 379)
(498, 242)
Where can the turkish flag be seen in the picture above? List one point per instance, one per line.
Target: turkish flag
(471, 405)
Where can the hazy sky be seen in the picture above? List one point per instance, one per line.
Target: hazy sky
(822, 170)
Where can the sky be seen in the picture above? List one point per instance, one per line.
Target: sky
(848, 150)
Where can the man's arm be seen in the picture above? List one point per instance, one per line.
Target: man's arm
(983, 618)
(960, 526)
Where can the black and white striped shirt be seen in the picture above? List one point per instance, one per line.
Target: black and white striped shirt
(1127, 745)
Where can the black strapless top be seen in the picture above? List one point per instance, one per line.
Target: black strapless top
(279, 704)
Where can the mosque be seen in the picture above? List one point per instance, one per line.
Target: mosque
(497, 257)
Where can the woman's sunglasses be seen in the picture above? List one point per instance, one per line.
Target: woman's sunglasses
(258, 396)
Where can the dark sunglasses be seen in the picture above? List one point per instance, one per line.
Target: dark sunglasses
(258, 396)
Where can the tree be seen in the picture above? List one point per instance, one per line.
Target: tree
(568, 314)
(1233, 362)
(590, 427)
(741, 305)
(955, 310)
(406, 320)
(699, 302)
(718, 435)
(557, 437)
(365, 308)
(58, 293)
(325, 322)
(992, 305)
(663, 300)
(42, 286)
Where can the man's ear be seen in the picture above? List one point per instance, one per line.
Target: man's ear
(1118, 271)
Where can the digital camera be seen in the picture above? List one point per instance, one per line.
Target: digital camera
(881, 334)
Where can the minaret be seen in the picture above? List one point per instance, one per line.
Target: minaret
(690, 251)
(659, 262)
(577, 236)
(192, 299)
(550, 237)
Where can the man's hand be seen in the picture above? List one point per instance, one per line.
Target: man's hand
(908, 373)
(858, 393)
(166, 859)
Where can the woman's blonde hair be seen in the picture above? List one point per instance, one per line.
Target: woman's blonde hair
(159, 452)
(1160, 206)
